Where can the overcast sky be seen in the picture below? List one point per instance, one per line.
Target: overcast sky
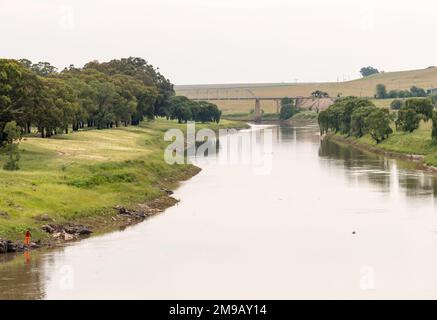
(226, 41)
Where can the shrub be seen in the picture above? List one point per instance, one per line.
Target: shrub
(396, 104)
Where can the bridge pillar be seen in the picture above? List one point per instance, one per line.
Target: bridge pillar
(257, 110)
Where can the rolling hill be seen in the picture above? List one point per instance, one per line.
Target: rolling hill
(364, 87)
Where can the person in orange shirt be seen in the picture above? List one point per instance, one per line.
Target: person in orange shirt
(27, 238)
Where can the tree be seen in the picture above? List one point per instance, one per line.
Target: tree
(404, 94)
(396, 104)
(368, 71)
(434, 127)
(350, 105)
(381, 91)
(205, 112)
(408, 119)
(319, 94)
(25, 63)
(355, 116)
(182, 113)
(359, 123)
(184, 109)
(378, 124)
(323, 120)
(44, 69)
(139, 69)
(433, 98)
(13, 134)
(15, 93)
(287, 109)
(423, 107)
(100, 95)
(417, 92)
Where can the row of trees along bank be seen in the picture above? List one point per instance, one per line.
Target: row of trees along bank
(38, 98)
(356, 117)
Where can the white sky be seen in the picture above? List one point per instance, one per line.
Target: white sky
(226, 41)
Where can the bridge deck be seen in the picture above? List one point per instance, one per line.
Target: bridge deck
(249, 98)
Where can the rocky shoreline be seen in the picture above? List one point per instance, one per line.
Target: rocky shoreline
(7, 246)
(121, 218)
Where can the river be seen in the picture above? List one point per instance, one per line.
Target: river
(327, 221)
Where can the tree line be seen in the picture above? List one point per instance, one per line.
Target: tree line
(36, 97)
(120, 92)
(183, 109)
(414, 92)
(357, 116)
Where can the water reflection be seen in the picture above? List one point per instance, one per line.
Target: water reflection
(21, 276)
(384, 173)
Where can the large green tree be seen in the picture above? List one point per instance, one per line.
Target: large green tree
(378, 124)
(423, 107)
(408, 119)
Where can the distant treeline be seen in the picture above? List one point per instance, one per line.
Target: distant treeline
(414, 92)
(356, 117)
(184, 109)
(99, 95)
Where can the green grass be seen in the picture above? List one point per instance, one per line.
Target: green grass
(416, 143)
(248, 116)
(305, 116)
(87, 173)
(382, 103)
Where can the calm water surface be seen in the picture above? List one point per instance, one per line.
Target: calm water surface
(236, 234)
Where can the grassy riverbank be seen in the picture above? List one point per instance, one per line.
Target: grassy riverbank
(304, 115)
(82, 176)
(403, 144)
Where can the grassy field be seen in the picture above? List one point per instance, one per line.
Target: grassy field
(248, 116)
(305, 116)
(365, 87)
(85, 174)
(417, 143)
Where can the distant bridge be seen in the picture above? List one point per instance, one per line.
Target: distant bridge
(214, 95)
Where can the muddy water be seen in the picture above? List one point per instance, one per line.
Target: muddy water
(327, 221)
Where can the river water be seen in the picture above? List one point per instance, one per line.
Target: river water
(326, 221)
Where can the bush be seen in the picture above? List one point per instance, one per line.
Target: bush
(396, 104)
